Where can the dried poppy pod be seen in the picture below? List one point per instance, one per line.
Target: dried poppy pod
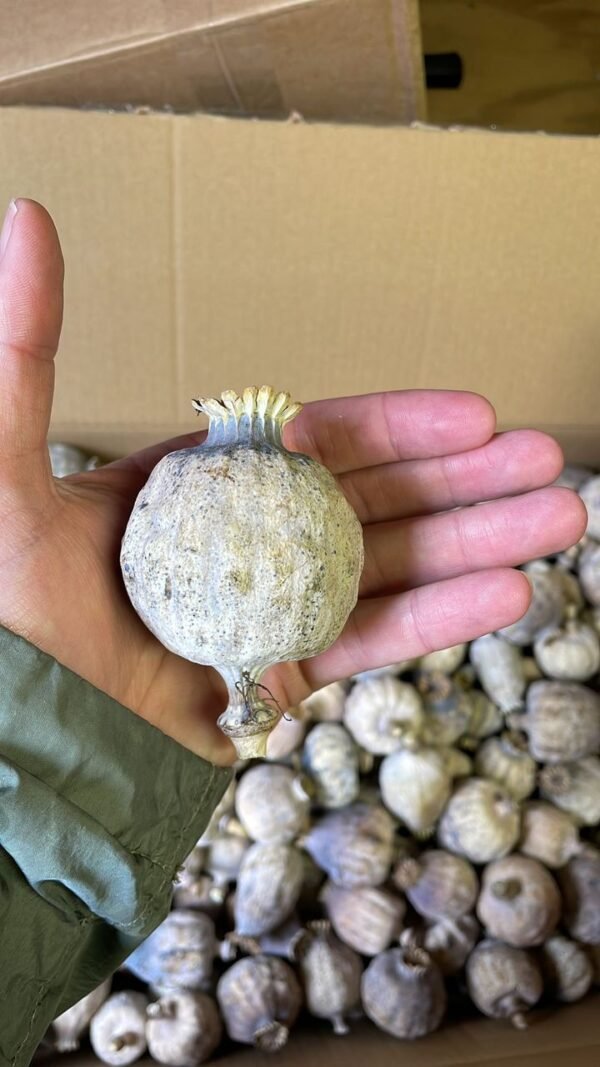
(68, 459)
(383, 714)
(566, 968)
(589, 571)
(562, 721)
(465, 677)
(223, 861)
(327, 704)
(289, 733)
(574, 788)
(281, 941)
(268, 887)
(485, 719)
(260, 999)
(503, 981)
(546, 607)
(499, 667)
(570, 652)
(574, 598)
(354, 845)
(222, 811)
(271, 803)
(444, 661)
(366, 919)
(519, 901)
(179, 954)
(415, 787)
(447, 709)
(579, 882)
(569, 558)
(118, 1029)
(573, 476)
(194, 887)
(438, 884)
(403, 992)
(531, 669)
(331, 973)
(450, 942)
(70, 1026)
(312, 880)
(458, 763)
(548, 834)
(506, 760)
(590, 494)
(480, 821)
(193, 865)
(238, 528)
(330, 758)
(183, 1028)
(200, 892)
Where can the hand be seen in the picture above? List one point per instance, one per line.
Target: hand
(437, 571)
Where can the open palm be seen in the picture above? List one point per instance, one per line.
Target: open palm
(437, 570)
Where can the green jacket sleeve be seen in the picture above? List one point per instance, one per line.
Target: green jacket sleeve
(98, 810)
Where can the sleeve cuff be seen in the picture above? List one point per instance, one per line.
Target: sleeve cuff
(104, 791)
(98, 810)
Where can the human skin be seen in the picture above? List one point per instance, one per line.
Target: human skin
(437, 571)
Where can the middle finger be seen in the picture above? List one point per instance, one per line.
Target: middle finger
(512, 462)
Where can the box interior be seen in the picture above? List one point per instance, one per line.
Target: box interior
(205, 253)
(528, 65)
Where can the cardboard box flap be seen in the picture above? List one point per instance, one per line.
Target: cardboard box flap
(324, 58)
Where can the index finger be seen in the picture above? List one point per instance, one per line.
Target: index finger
(349, 433)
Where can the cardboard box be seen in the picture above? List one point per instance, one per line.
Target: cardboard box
(327, 59)
(206, 253)
(528, 65)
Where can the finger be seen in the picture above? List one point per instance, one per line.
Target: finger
(512, 462)
(31, 277)
(130, 473)
(191, 719)
(505, 533)
(348, 433)
(389, 629)
(360, 431)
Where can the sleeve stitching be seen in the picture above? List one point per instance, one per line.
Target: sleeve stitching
(43, 990)
(172, 870)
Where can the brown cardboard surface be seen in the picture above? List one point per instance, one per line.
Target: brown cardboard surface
(205, 253)
(342, 59)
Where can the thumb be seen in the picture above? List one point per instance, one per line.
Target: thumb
(31, 277)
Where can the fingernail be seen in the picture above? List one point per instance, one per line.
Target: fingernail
(7, 226)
